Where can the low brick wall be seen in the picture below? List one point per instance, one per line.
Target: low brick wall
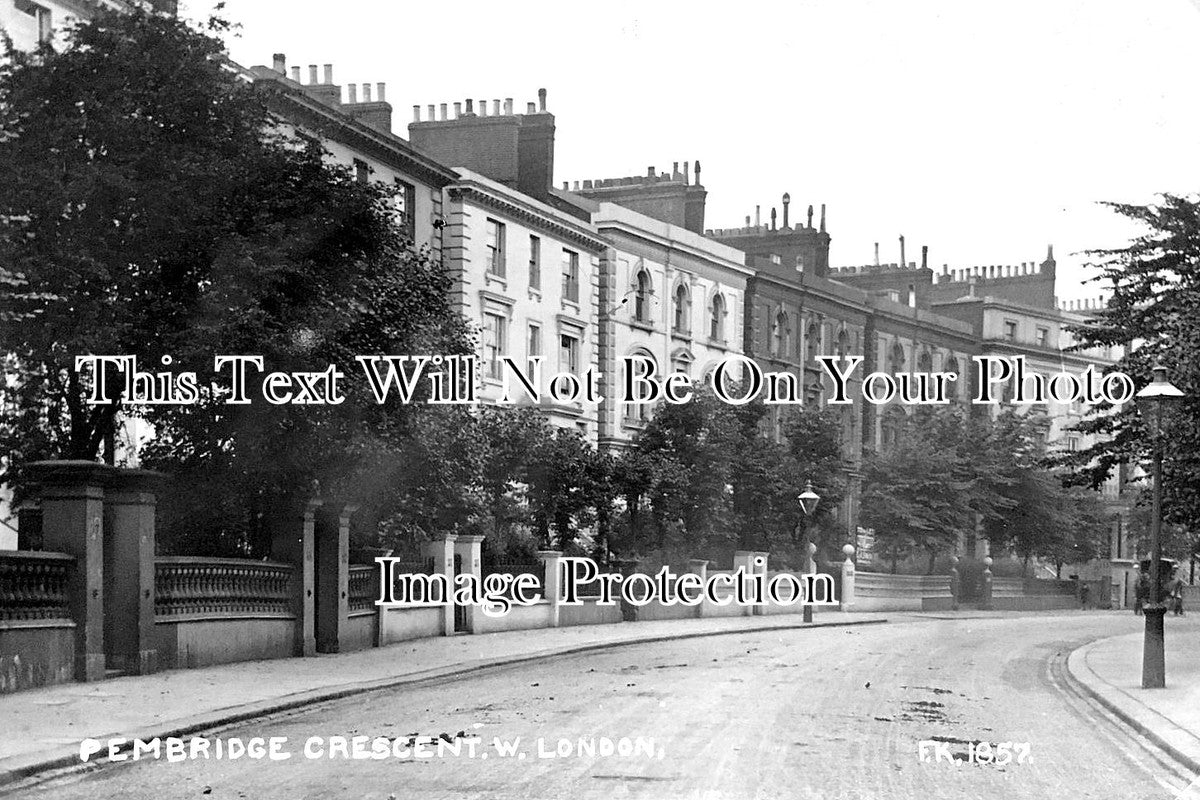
(37, 634)
(1031, 594)
(520, 618)
(876, 591)
(204, 641)
(589, 613)
(414, 621)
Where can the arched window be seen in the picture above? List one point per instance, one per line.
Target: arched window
(925, 362)
(812, 341)
(897, 358)
(781, 334)
(716, 324)
(641, 301)
(892, 423)
(843, 344)
(683, 314)
(952, 386)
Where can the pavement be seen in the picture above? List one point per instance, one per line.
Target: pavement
(1110, 671)
(43, 727)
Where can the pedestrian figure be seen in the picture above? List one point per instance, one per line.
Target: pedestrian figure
(1084, 594)
(1141, 593)
(1175, 593)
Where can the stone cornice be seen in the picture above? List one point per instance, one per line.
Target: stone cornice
(293, 104)
(516, 210)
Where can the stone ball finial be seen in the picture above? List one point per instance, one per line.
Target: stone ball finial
(848, 550)
(987, 562)
(812, 549)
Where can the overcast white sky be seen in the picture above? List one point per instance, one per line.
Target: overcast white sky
(985, 131)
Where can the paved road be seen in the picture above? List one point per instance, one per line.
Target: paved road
(826, 713)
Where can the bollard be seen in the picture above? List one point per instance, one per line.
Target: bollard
(848, 578)
(985, 599)
(955, 583)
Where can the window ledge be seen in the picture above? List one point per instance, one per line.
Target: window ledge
(641, 325)
(491, 277)
(535, 293)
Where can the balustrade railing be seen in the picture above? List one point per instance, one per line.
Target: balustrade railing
(364, 586)
(188, 586)
(35, 585)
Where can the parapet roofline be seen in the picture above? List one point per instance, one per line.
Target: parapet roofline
(552, 216)
(615, 215)
(288, 90)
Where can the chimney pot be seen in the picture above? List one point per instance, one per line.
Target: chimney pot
(650, 171)
(787, 199)
(312, 73)
(675, 170)
(577, 186)
(924, 256)
(757, 214)
(541, 99)
(352, 92)
(457, 110)
(495, 108)
(416, 113)
(822, 217)
(296, 74)
(772, 217)
(470, 107)
(432, 112)
(810, 216)
(366, 92)
(566, 186)
(877, 254)
(508, 106)
(686, 172)
(280, 63)
(328, 74)
(380, 89)
(443, 109)
(531, 108)
(697, 173)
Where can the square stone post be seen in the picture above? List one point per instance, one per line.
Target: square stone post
(293, 541)
(551, 581)
(469, 549)
(129, 536)
(745, 560)
(72, 495)
(440, 550)
(699, 566)
(760, 565)
(333, 575)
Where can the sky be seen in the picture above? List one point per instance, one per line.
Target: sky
(986, 131)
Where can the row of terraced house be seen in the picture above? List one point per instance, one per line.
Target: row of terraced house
(588, 272)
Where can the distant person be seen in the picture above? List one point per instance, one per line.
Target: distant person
(1175, 595)
(1141, 593)
(1085, 592)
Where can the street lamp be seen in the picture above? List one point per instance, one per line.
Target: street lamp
(1154, 667)
(808, 500)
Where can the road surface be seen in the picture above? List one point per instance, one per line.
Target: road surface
(822, 713)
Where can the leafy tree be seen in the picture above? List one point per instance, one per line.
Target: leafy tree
(916, 494)
(149, 207)
(1154, 302)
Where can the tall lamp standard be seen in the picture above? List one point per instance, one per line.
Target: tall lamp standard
(808, 500)
(1154, 667)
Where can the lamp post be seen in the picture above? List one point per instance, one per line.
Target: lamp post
(808, 500)
(1154, 667)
